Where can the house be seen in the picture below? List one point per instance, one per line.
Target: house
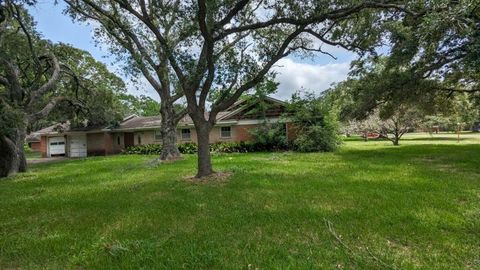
(33, 141)
(232, 125)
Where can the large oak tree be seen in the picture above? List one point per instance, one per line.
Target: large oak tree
(226, 47)
(42, 83)
(28, 72)
(136, 34)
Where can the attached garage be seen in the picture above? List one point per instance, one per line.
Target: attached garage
(56, 146)
(78, 145)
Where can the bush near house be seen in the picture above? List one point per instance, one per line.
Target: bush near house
(270, 136)
(316, 123)
(220, 147)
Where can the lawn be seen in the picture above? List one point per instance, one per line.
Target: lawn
(368, 206)
(29, 154)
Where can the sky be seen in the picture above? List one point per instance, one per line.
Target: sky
(312, 74)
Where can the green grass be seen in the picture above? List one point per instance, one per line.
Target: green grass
(33, 154)
(368, 206)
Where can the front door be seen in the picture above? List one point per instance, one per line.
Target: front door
(128, 139)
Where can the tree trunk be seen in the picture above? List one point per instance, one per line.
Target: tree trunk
(168, 131)
(396, 139)
(12, 156)
(169, 143)
(397, 134)
(204, 160)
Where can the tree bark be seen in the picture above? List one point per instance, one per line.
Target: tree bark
(12, 156)
(168, 131)
(203, 138)
(22, 160)
(169, 143)
(396, 138)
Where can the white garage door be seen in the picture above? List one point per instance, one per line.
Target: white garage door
(56, 146)
(78, 146)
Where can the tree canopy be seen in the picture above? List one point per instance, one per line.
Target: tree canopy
(431, 56)
(225, 48)
(42, 82)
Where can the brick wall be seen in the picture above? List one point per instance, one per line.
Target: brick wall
(95, 144)
(43, 145)
(242, 133)
(108, 143)
(35, 146)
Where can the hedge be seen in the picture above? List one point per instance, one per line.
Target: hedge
(191, 148)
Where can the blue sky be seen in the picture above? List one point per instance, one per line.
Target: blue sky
(313, 74)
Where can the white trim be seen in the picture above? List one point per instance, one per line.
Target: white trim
(257, 121)
(180, 126)
(226, 123)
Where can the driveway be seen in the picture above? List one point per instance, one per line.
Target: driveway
(45, 160)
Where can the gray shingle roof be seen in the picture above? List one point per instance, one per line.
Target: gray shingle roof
(150, 122)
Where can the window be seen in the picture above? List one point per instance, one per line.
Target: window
(158, 135)
(185, 134)
(139, 139)
(118, 139)
(225, 132)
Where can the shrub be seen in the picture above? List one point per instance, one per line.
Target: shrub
(192, 148)
(188, 148)
(147, 149)
(317, 138)
(232, 147)
(270, 136)
(317, 125)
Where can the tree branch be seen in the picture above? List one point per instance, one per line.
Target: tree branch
(232, 13)
(46, 110)
(317, 18)
(50, 84)
(223, 104)
(302, 47)
(209, 45)
(155, 30)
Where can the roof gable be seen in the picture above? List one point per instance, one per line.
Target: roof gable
(275, 108)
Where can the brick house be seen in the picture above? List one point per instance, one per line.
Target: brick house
(33, 141)
(232, 125)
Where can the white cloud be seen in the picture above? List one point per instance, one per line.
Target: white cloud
(294, 76)
(291, 75)
(141, 86)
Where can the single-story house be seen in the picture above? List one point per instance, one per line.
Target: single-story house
(33, 141)
(232, 125)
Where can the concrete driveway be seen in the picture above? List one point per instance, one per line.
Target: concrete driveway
(45, 160)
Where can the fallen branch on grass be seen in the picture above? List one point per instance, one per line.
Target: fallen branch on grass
(329, 226)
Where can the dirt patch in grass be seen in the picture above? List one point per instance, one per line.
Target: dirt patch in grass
(215, 178)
